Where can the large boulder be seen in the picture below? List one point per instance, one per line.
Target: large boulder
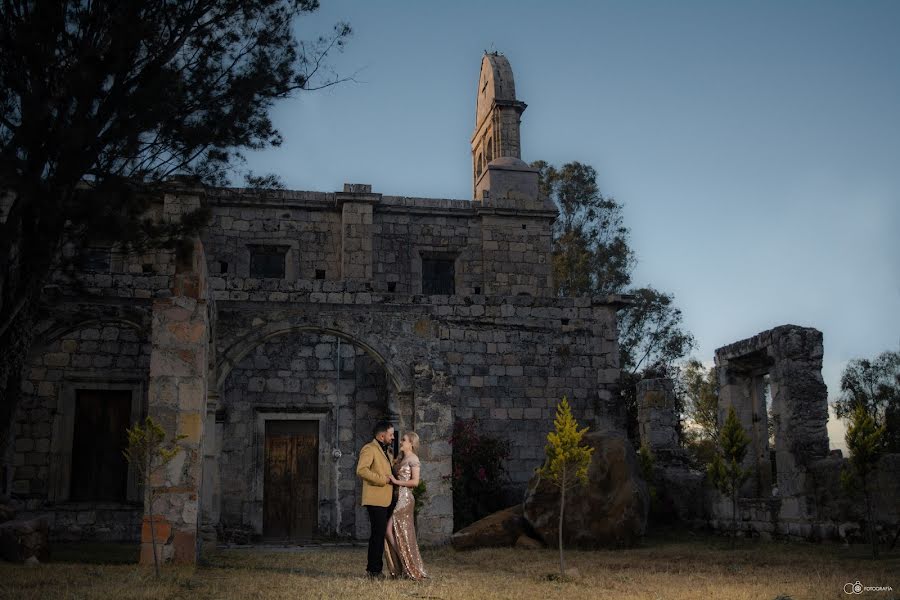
(609, 511)
(21, 539)
(502, 528)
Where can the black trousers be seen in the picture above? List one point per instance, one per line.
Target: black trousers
(378, 518)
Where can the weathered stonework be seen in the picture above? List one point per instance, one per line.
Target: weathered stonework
(317, 309)
(657, 415)
(177, 400)
(803, 497)
(679, 486)
(791, 358)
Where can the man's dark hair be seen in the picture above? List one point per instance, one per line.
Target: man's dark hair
(380, 427)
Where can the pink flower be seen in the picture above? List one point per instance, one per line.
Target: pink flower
(482, 474)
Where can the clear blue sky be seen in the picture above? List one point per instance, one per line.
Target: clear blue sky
(755, 146)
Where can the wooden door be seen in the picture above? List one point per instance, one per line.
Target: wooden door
(99, 469)
(291, 480)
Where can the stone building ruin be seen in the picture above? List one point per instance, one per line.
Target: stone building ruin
(285, 330)
(774, 382)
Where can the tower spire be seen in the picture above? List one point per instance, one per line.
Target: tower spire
(497, 116)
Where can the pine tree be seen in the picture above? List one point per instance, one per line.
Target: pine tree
(865, 441)
(567, 462)
(726, 472)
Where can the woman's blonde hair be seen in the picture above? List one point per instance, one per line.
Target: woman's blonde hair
(413, 440)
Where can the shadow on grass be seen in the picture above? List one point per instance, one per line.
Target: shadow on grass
(95, 553)
(249, 561)
(675, 536)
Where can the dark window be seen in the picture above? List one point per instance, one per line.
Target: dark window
(392, 286)
(477, 290)
(99, 470)
(267, 261)
(320, 273)
(438, 276)
(95, 258)
(223, 267)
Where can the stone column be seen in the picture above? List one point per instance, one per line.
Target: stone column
(800, 399)
(356, 202)
(759, 436)
(177, 395)
(434, 424)
(210, 497)
(657, 417)
(735, 389)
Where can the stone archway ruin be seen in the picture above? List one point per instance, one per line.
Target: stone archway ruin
(278, 375)
(789, 360)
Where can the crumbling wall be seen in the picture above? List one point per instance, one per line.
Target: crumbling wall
(794, 489)
(676, 483)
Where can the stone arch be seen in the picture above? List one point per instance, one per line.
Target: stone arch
(104, 357)
(237, 351)
(56, 330)
(344, 412)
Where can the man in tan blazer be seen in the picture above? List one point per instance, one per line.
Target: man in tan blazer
(374, 466)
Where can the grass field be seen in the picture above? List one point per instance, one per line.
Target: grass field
(677, 567)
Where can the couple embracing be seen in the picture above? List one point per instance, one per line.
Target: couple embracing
(388, 498)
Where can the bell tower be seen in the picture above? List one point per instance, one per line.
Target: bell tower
(497, 118)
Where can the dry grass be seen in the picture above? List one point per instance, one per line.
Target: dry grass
(663, 568)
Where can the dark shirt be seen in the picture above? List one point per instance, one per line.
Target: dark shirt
(384, 448)
(395, 492)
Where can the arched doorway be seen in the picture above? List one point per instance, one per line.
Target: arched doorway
(295, 408)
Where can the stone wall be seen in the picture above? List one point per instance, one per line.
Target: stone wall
(109, 353)
(827, 511)
(240, 218)
(657, 415)
(217, 349)
(308, 375)
(509, 360)
(326, 237)
(679, 485)
(407, 229)
(803, 497)
(94, 334)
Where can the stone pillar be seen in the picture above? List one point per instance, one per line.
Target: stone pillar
(792, 357)
(210, 497)
(736, 389)
(434, 424)
(177, 395)
(657, 417)
(800, 399)
(759, 436)
(357, 203)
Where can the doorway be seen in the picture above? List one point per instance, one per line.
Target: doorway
(291, 480)
(99, 469)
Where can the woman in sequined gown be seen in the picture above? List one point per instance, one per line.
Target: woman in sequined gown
(401, 549)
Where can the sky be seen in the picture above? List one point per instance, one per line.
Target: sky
(755, 146)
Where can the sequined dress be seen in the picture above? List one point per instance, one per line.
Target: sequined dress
(404, 559)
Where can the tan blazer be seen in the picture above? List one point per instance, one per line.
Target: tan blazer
(373, 468)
